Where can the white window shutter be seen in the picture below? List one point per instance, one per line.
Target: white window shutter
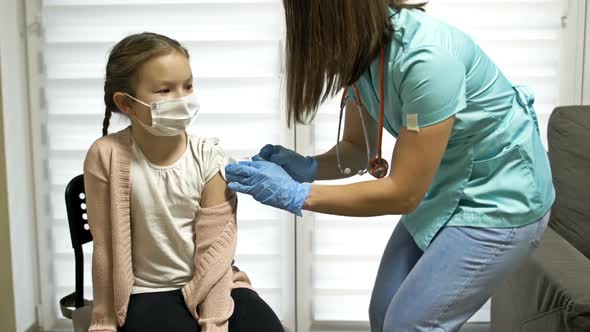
(342, 254)
(235, 54)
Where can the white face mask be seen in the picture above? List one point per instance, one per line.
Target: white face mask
(171, 117)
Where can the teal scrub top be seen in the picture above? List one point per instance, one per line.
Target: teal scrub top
(495, 171)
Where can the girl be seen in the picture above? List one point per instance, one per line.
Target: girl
(469, 173)
(161, 215)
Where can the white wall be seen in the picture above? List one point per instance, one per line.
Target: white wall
(7, 312)
(18, 162)
(574, 17)
(586, 84)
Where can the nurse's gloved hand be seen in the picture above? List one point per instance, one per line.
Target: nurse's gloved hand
(302, 169)
(268, 183)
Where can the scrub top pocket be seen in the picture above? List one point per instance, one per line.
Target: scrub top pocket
(505, 180)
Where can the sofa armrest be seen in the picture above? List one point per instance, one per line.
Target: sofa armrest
(551, 288)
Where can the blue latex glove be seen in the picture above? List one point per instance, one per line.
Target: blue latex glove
(302, 169)
(268, 183)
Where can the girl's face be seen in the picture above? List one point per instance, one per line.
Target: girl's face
(165, 77)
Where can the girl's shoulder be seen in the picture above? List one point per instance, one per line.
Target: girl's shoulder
(123, 135)
(206, 148)
(103, 148)
(208, 156)
(112, 141)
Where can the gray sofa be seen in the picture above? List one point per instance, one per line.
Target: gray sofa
(551, 291)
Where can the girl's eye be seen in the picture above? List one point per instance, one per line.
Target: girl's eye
(163, 91)
(189, 87)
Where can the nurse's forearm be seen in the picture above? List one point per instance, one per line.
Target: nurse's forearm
(350, 157)
(363, 199)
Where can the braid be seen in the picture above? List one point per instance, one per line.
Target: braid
(106, 121)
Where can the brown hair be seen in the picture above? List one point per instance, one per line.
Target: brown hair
(125, 59)
(330, 43)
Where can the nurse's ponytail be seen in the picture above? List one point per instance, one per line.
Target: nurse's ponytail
(123, 64)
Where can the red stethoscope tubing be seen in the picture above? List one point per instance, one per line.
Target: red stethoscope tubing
(381, 103)
(378, 166)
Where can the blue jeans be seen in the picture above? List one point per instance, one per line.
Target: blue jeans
(440, 289)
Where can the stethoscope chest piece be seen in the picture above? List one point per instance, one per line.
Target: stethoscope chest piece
(378, 168)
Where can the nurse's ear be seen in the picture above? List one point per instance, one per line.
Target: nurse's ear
(124, 104)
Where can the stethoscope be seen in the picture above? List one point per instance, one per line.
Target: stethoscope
(377, 166)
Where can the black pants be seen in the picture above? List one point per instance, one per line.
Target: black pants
(167, 311)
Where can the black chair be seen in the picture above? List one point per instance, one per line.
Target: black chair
(80, 234)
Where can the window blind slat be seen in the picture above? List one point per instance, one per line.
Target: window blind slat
(82, 3)
(191, 21)
(257, 59)
(68, 95)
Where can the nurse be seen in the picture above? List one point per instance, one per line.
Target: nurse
(469, 173)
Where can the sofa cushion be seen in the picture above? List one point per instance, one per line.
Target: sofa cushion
(549, 292)
(569, 153)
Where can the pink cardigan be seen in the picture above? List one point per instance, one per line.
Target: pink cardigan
(107, 180)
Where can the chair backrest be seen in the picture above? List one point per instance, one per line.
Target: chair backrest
(79, 230)
(569, 153)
